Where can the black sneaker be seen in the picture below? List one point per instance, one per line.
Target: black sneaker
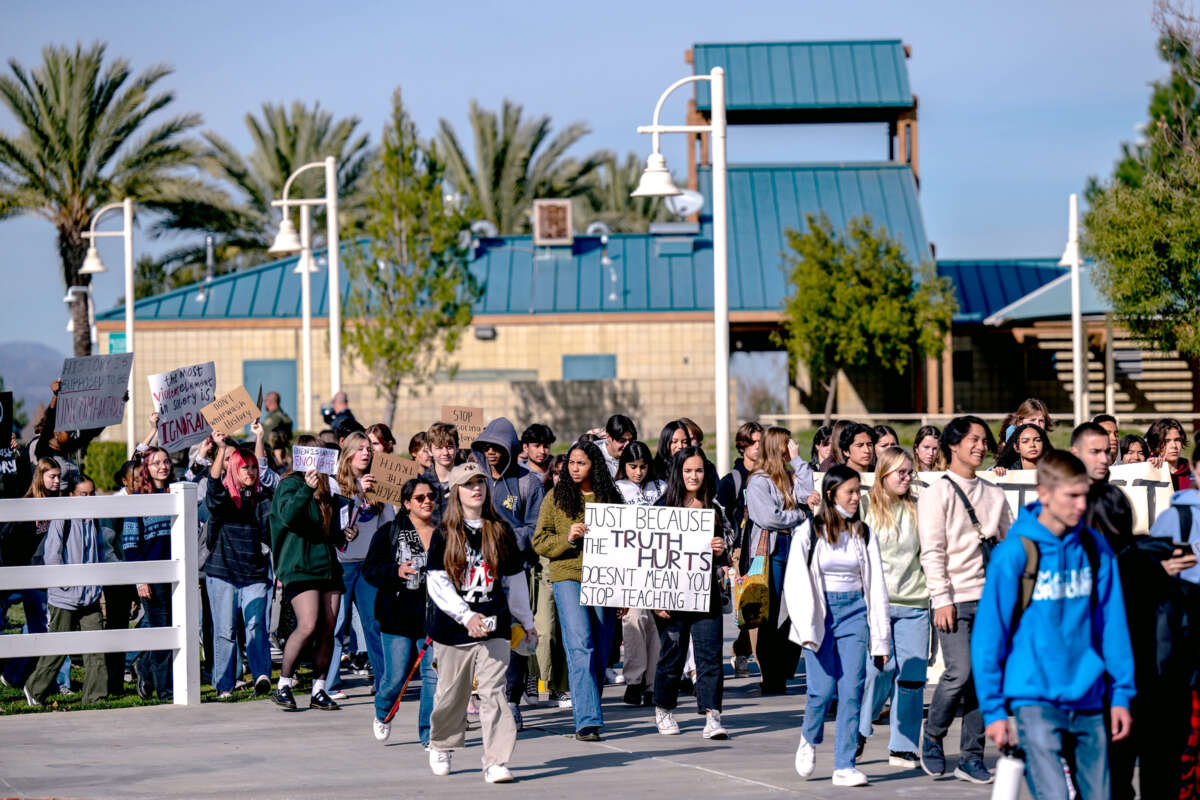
(262, 686)
(323, 702)
(933, 757)
(633, 694)
(862, 745)
(903, 758)
(588, 735)
(973, 771)
(283, 698)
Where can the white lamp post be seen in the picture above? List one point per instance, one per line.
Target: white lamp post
(656, 182)
(1070, 258)
(287, 241)
(92, 265)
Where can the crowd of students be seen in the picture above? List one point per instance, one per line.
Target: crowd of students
(1058, 615)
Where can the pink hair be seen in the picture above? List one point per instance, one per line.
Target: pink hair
(234, 462)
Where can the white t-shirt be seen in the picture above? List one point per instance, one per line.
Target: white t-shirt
(839, 565)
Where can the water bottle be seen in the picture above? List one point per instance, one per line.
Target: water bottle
(1010, 772)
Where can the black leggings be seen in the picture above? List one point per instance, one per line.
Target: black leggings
(316, 614)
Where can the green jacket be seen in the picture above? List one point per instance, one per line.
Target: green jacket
(303, 549)
(550, 540)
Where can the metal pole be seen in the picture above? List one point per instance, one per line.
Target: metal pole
(306, 311)
(131, 406)
(335, 294)
(1080, 387)
(720, 271)
(1110, 378)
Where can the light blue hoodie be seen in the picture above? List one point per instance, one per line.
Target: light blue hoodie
(1063, 648)
(1167, 525)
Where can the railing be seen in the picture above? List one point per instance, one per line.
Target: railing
(181, 571)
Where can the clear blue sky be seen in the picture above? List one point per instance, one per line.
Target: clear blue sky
(1019, 102)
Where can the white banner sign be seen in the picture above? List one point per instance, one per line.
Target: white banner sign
(93, 392)
(647, 557)
(322, 459)
(178, 396)
(1147, 487)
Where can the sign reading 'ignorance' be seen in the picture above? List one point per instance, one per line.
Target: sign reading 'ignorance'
(647, 557)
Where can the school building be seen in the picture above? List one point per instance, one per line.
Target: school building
(568, 333)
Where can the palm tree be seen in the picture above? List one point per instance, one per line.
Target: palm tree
(516, 162)
(284, 140)
(607, 197)
(76, 150)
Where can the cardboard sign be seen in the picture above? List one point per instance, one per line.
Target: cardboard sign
(231, 412)
(179, 397)
(6, 419)
(322, 459)
(647, 557)
(93, 392)
(468, 420)
(391, 473)
(8, 460)
(1148, 489)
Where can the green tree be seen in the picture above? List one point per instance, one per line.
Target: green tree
(285, 139)
(856, 300)
(516, 162)
(90, 133)
(606, 197)
(411, 292)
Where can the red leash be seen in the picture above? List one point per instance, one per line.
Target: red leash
(413, 671)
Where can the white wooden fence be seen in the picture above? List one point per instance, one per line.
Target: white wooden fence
(181, 571)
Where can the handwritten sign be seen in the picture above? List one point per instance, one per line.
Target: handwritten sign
(8, 460)
(391, 473)
(647, 557)
(179, 397)
(1147, 487)
(93, 392)
(322, 459)
(231, 412)
(468, 420)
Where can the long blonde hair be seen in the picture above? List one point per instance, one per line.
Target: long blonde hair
(774, 462)
(345, 470)
(881, 511)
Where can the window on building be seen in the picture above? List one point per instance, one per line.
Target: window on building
(589, 367)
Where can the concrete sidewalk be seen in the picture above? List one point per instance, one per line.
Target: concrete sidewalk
(252, 750)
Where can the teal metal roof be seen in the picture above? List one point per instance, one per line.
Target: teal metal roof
(983, 287)
(843, 76)
(1053, 301)
(645, 272)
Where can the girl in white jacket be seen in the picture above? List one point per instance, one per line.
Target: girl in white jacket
(835, 597)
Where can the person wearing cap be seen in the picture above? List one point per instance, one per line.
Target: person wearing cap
(477, 588)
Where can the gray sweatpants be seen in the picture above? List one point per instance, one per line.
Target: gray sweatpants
(487, 662)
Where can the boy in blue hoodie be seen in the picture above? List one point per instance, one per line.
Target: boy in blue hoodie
(1060, 660)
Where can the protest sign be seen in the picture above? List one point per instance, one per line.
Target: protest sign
(322, 459)
(8, 460)
(179, 397)
(1147, 487)
(654, 557)
(92, 394)
(468, 420)
(391, 473)
(6, 419)
(231, 412)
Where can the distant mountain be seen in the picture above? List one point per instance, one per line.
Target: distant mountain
(28, 369)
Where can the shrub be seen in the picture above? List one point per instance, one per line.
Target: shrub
(102, 461)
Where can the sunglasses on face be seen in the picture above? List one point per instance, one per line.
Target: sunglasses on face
(421, 498)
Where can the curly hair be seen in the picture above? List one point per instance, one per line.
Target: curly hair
(567, 495)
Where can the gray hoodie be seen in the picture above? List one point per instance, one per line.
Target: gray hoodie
(764, 505)
(75, 541)
(517, 494)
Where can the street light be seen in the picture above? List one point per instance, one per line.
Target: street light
(92, 265)
(287, 240)
(656, 182)
(1070, 258)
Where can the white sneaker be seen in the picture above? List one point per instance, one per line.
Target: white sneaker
(666, 723)
(382, 730)
(849, 777)
(225, 696)
(713, 729)
(563, 700)
(497, 773)
(337, 695)
(612, 677)
(806, 758)
(439, 761)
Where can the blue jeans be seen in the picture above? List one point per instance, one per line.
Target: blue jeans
(17, 670)
(587, 633)
(227, 600)
(363, 596)
(841, 664)
(1051, 736)
(399, 652)
(903, 677)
